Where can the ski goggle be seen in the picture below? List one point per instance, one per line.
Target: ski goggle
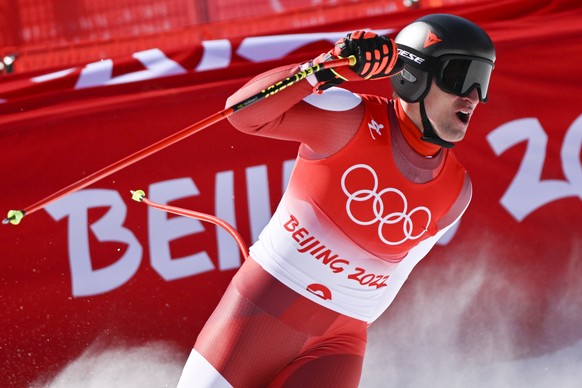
(458, 75)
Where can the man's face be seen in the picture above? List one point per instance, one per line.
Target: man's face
(450, 114)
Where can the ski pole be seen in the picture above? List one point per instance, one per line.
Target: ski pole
(15, 216)
(140, 196)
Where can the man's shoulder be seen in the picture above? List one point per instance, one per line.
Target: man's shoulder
(374, 99)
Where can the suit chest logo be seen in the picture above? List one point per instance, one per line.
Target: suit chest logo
(386, 208)
(375, 129)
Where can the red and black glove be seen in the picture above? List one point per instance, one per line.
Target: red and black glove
(376, 58)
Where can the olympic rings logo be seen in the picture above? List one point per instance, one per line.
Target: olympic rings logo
(378, 208)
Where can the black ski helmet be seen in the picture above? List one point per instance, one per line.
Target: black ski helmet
(454, 51)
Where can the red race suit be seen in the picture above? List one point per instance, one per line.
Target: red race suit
(366, 201)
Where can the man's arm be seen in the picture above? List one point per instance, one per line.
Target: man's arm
(323, 129)
(326, 123)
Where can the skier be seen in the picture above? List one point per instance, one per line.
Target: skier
(375, 185)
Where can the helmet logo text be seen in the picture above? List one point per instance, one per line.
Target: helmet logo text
(411, 56)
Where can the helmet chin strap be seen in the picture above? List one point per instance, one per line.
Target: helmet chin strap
(429, 134)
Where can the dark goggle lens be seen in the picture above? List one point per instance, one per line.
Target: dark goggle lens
(460, 76)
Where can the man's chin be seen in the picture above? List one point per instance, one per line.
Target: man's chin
(453, 136)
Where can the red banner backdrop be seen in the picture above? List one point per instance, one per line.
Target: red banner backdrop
(42, 34)
(96, 272)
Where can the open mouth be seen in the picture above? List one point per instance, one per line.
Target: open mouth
(463, 116)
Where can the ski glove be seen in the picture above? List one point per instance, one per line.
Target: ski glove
(376, 58)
